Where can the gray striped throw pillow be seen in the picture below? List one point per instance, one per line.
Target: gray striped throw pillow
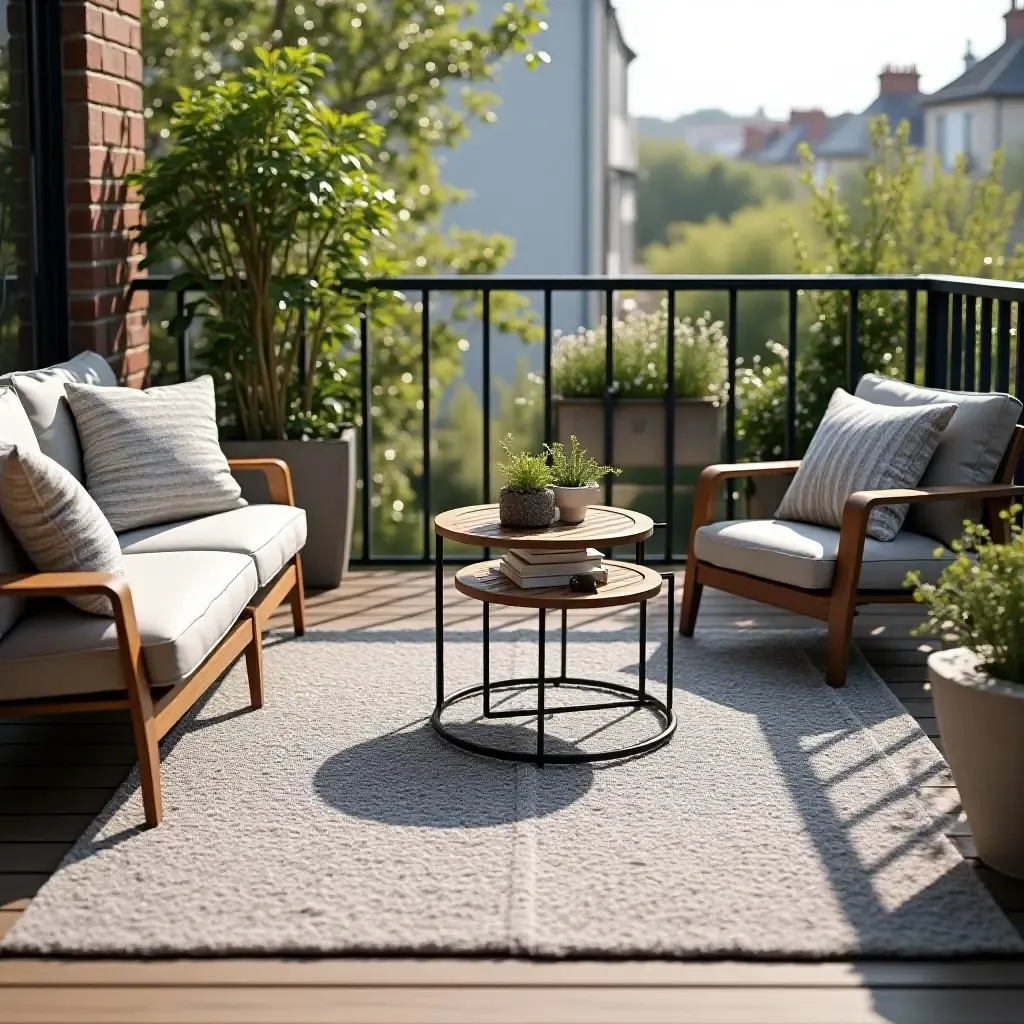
(60, 527)
(860, 446)
(153, 456)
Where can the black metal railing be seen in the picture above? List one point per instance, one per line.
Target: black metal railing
(967, 339)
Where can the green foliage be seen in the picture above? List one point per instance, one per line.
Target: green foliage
(755, 241)
(421, 69)
(268, 199)
(640, 357)
(677, 185)
(978, 602)
(523, 471)
(907, 217)
(575, 468)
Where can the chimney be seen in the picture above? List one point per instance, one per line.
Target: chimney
(900, 81)
(755, 137)
(815, 121)
(1014, 21)
(969, 59)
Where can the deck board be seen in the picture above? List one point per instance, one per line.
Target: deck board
(57, 773)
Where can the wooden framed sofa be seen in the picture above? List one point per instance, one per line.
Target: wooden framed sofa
(826, 573)
(194, 597)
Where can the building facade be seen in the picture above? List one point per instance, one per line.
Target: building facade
(557, 171)
(983, 110)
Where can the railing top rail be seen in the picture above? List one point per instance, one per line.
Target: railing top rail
(979, 287)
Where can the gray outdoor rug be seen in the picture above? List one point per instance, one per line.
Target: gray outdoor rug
(782, 821)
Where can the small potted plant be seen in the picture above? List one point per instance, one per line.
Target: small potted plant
(575, 475)
(527, 500)
(978, 686)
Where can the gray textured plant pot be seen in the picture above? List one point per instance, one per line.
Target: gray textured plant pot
(638, 430)
(572, 502)
(982, 724)
(765, 494)
(324, 480)
(526, 510)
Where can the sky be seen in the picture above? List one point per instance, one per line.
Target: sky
(739, 55)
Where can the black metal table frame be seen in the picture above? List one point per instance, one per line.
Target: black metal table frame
(638, 696)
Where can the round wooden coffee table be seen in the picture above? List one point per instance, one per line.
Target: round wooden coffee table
(629, 583)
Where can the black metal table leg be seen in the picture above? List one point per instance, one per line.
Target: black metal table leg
(439, 617)
(670, 578)
(487, 659)
(643, 652)
(540, 687)
(565, 630)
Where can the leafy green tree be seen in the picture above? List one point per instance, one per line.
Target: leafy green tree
(908, 217)
(419, 68)
(678, 186)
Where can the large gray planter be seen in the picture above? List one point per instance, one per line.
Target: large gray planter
(638, 430)
(982, 725)
(324, 479)
(765, 494)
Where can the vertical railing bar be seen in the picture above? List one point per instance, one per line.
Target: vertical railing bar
(184, 372)
(365, 439)
(730, 409)
(486, 388)
(936, 353)
(791, 396)
(910, 350)
(548, 417)
(425, 344)
(985, 341)
(670, 426)
(1019, 374)
(609, 381)
(956, 346)
(1003, 348)
(853, 341)
(971, 344)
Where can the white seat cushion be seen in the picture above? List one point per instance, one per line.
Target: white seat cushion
(802, 555)
(269, 534)
(185, 602)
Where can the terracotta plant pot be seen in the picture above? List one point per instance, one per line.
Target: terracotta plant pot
(526, 510)
(982, 724)
(572, 502)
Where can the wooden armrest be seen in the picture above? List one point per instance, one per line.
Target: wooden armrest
(729, 471)
(63, 584)
(862, 502)
(276, 472)
(706, 498)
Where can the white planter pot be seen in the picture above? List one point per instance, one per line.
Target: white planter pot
(572, 502)
(982, 724)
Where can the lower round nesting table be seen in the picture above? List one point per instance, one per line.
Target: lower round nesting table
(628, 584)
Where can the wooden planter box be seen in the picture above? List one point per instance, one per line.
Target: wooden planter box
(638, 426)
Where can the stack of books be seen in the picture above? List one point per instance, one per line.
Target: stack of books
(530, 569)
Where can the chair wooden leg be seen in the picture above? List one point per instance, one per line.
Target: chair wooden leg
(692, 591)
(254, 665)
(840, 635)
(297, 599)
(148, 750)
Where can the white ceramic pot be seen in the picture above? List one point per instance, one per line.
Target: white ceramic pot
(572, 502)
(982, 724)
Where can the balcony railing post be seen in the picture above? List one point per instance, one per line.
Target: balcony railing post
(910, 348)
(853, 341)
(1003, 347)
(971, 345)
(956, 344)
(670, 427)
(987, 323)
(184, 370)
(548, 384)
(609, 386)
(365, 435)
(936, 351)
(730, 409)
(791, 393)
(426, 489)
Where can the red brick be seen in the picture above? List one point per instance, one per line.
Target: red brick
(130, 96)
(133, 66)
(117, 29)
(135, 360)
(102, 161)
(98, 275)
(113, 60)
(99, 305)
(83, 53)
(81, 18)
(110, 5)
(92, 86)
(133, 8)
(107, 219)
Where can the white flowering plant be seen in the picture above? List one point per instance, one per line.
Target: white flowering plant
(640, 358)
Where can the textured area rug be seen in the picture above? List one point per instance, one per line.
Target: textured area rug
(783, 820)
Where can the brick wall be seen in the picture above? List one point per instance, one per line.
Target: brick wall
(104, 131)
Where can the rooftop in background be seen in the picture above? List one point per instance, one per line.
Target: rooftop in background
(1000, 74)
(781, 146)
(899, 99)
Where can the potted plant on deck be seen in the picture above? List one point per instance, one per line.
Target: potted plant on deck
(978, 686)
(575, 476)
(527, 500)
(639, 388)
(266, 199)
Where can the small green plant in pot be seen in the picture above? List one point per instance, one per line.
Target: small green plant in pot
(527, 500)
(575, 476)
(978, 685)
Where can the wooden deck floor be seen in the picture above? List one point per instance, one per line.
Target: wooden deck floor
(56, 775)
